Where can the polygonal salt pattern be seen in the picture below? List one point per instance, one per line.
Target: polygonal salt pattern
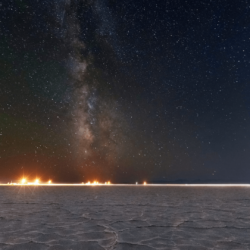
(105, 218)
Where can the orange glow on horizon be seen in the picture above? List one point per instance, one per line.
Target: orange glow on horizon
(37, 181)
(25, 182)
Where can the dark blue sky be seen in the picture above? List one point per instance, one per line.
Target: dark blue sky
(135, 90)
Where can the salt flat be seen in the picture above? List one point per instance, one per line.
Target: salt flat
(129, 217)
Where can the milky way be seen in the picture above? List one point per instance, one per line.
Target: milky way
(97, 122)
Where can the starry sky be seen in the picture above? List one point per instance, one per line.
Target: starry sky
(125, 90)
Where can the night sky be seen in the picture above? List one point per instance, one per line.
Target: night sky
(125, 90)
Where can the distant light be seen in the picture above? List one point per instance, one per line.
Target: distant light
(37, 181)
(108, 182)
(23, 181)
(49, 182)
(144, 183)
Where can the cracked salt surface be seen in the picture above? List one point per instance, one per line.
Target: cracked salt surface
(93, 218)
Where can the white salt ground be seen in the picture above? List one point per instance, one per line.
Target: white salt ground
(93, 218)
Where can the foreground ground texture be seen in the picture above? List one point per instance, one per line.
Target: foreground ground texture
(107, 217)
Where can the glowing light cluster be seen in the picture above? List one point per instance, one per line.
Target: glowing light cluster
(24, 181)
(37, 181)
(96, 183)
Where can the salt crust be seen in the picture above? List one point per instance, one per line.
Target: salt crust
(121, 218)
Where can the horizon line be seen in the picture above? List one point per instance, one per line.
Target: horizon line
(141, 184)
